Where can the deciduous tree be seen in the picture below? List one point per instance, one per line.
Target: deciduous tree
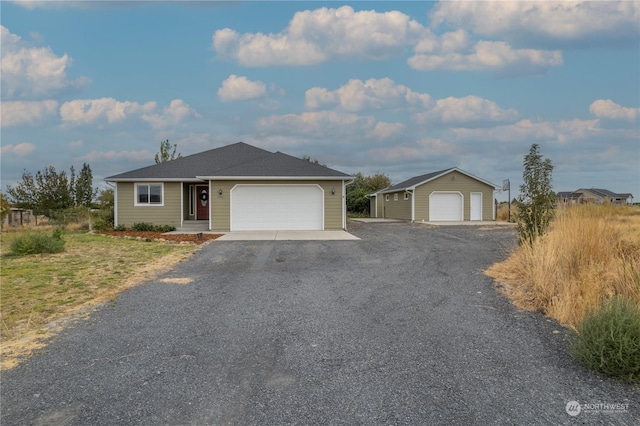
(536, 202)
(166, 153)
(84, 191)
(357, 201)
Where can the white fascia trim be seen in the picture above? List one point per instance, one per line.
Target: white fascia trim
(273, 178)
(154, 180)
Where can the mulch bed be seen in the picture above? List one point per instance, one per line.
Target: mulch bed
(159, 236)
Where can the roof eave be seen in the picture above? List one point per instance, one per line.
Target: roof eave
(275, 177)
(142, 179)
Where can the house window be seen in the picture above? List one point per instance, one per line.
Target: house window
(386, 197)
(395, 197)
(406, 195)
(149, 194)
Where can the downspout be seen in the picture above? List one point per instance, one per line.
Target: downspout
(344, 203)
(413, 205)
(115, 203)
(181, 204)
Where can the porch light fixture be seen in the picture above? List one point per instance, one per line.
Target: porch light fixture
(220, 191)
(333, 191)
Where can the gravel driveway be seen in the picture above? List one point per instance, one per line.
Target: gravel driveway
(401, 327)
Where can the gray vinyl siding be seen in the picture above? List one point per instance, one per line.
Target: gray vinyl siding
(400, 209)
(454, 182)
(221, 207)
(167, 214)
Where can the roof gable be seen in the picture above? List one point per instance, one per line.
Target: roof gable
(413, 182)
(239, 159)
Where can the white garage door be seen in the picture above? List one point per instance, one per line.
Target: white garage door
(445, 206)
(276, 207)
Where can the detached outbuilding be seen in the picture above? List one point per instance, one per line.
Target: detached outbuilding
(450, 195)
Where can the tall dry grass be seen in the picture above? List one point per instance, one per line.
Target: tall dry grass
(590, 253)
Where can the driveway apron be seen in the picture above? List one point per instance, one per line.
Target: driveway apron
(401, 327)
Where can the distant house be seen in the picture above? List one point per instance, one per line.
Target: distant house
(450, 195)
(593, 196)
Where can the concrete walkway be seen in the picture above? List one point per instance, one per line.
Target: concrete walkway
(375, 220)
(287, 236)
(465, 223)
(469, 223)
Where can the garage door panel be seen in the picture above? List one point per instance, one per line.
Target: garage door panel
(272, 208)
(445, 207)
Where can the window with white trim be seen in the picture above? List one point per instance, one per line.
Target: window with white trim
(395, 197)
(386, 197)
(406, 195)
(149, 194)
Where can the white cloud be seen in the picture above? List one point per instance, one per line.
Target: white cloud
(547, 21)
(530, 131)
(21, 149)
(315, 36)
(32, 72)
(608, 109)
(236, 88)
(487, 56)
(176, 112)
(470, 110)
(88, 111)
(320, 123)
(26, 112)
(357, 95)
(101, 156)
(386, 131)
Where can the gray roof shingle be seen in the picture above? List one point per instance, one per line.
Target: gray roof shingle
(415, 180)
(239, 159)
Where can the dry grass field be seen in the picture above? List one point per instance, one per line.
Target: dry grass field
(590, 253)
(38, 289)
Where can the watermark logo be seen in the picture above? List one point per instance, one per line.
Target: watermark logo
(573, 408)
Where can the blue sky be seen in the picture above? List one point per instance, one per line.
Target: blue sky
(403, 88)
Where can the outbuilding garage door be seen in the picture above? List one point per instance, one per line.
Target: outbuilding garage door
(276, 207)
(445, 206)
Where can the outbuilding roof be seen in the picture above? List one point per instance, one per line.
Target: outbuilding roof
(415, 181)
(236, 161)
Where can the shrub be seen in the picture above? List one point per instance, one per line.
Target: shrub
(164, 228)
(142, 226)
(120, 228)
(38, 242)
(102, 220)
(608, 339)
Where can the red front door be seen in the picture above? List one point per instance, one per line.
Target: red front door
(202, 203)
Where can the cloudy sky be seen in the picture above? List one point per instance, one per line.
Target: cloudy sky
(403, 88)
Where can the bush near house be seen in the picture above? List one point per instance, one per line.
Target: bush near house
(149, 227)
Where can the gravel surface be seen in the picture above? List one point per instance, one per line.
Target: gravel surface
(401, 327)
